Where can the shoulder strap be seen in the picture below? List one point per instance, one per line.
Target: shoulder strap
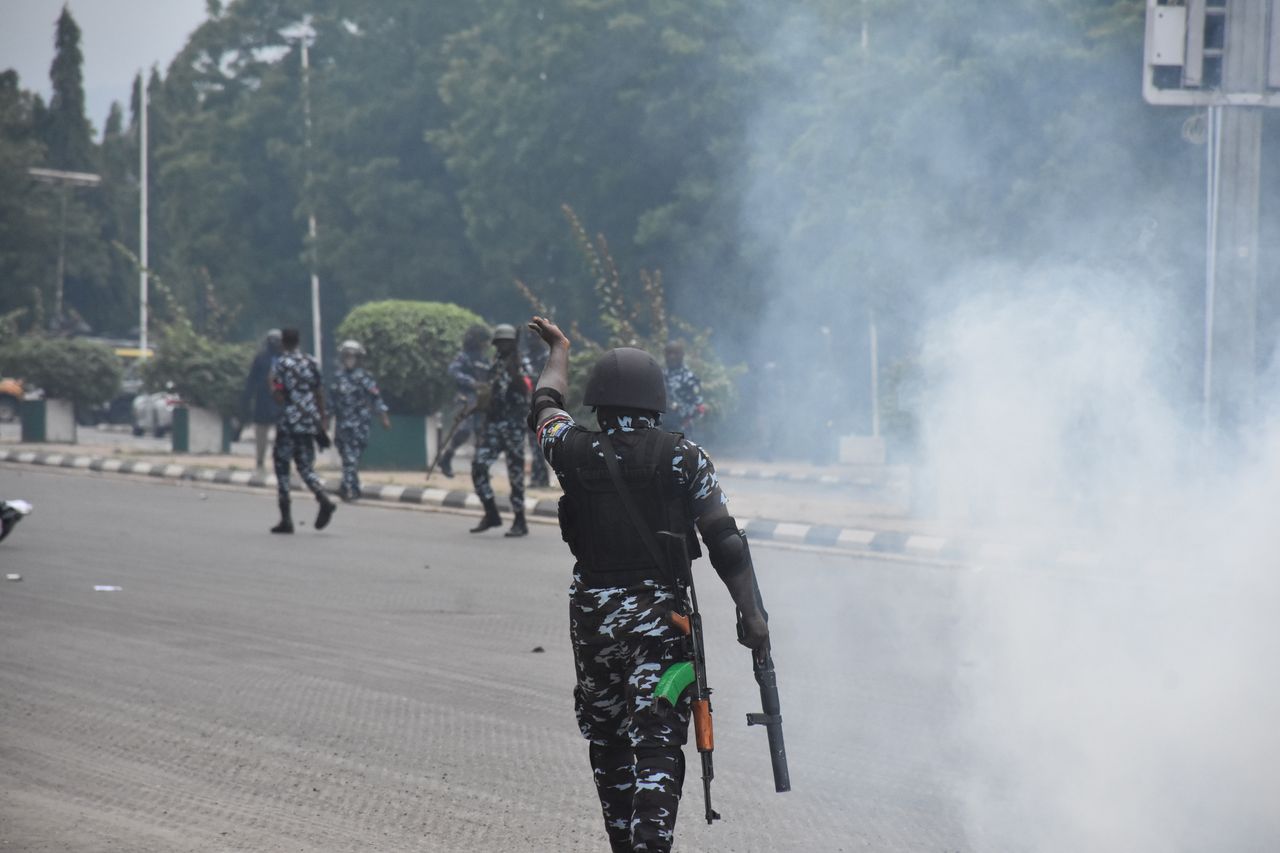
(615, 474)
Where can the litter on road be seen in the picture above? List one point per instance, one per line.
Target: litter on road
(13, 577)
(105, 588)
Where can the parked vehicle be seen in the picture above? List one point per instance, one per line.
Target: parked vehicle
(153, 413)
(10, 396)
(119, 409)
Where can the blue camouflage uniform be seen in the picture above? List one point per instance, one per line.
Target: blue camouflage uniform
(684, 396)
(296, 377)
(354, 397)
(622, 642)
(504, 430)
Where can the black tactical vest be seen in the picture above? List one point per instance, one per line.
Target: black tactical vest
(594, 521)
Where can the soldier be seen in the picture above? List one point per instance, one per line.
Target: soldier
(504, 429)
(355, 396)
(467, 370)
(256, 402)
(621, 599)
(298, 388)
(684, 389)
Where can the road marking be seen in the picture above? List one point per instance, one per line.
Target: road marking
(174, 471)
(141, 468)
(26, 456)
(241, 478)
(391, 493)
(54, 459)
(927, 544)
(860, 538)
(82, 462)
(472, 501)
(788, 532)
(433, 496)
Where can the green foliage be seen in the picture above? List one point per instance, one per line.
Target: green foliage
(409, 346)
(637, 316)
(85, 372)
(204, 372)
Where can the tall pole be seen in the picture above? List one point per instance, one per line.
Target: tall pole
(62, 249)
(142, 221)
(311, 215)
(1238, 139)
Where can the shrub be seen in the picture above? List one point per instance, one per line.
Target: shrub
(409, 346)
(85, 372)
(204, 372)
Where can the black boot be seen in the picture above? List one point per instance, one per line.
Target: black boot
(518, 527)
(491, 517)
(286, 518)
(446, 463)
(326, 511)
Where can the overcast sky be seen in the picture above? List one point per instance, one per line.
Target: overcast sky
(118, 38)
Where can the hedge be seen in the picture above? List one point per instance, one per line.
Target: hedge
(408, 348)
(85, 372)
(205, 373)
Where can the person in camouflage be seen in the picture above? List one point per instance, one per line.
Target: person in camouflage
(503, 433)
(684, 389)
(535, 352)
(467, 370)
(298, 388)
(621, 601)
(355, 396)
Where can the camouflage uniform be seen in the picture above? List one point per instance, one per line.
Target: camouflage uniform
(684, 396)
(622, 643)
(354, 395)
(504, 431)
(467, 371)
(296, 376)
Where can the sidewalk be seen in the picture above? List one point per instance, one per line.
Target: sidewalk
(796, 504)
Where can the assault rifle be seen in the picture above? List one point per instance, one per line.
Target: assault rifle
(680, 676)
(462, 415)
(771, 714)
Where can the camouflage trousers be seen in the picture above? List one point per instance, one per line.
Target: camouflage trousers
(622, 643)
(350, 442)
(300, 448)
(505, 438)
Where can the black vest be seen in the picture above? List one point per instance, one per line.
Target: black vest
(594, 521)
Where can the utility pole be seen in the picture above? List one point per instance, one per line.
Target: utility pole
(311, 214)
(1224, 56)
(142, 219)
(64, 181)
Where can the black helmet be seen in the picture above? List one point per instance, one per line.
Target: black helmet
(475, 338)
(627, 378)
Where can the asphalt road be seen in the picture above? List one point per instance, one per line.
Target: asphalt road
(375, 686)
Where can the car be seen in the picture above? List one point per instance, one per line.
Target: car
(10, 396)
(153, 412)
(119, 409)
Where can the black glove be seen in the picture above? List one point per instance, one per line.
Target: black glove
(753, 622)
(322, 440)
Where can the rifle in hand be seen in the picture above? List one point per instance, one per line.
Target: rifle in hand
(462, 415)
(771, 713)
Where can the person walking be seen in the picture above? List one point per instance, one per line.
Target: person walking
(355, 397)
(256, 401)
(621, 599)
(299, 390)
(505, 404)
(684, 389)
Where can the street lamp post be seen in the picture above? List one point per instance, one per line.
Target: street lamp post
(64, 181)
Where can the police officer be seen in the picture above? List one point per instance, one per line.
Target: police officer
(620, 599)
(298, 388)
(684, 389)
(355, 396)
(467, 370)
(504, 411)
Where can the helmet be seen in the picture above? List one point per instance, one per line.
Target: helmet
(504, 332)
(273, 336)
(351, 346)
(628, 378)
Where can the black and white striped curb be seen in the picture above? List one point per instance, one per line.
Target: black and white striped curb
(738, 472)
(854, 539)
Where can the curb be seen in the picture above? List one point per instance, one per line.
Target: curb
(741, 473)
(853, 540)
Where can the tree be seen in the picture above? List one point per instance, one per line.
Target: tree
(66, 130)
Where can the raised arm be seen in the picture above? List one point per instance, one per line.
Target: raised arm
(553, 383)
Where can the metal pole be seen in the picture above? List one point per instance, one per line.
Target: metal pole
(311, 216)
(1213, 139)
(142, 223)
(62, 245)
